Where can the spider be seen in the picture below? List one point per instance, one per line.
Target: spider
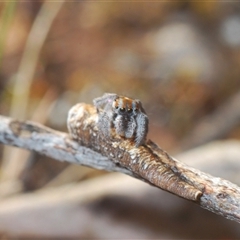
(124, 114)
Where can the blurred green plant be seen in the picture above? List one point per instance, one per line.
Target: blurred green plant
(5, 21)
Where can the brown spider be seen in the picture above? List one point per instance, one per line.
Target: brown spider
(124, 114)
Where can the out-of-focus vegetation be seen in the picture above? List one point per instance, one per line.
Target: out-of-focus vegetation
(180, 58)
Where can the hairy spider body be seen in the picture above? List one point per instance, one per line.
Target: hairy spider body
(125, 115)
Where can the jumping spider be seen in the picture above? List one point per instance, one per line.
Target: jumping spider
(124, 114)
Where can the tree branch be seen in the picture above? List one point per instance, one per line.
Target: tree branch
(148, 163)
(52, 143)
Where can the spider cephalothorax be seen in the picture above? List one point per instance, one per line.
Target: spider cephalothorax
(124, 114)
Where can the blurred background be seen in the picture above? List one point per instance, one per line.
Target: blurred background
(180, 58)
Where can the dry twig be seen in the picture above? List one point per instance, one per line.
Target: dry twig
(148, 163)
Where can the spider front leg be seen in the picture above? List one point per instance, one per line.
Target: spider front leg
(141, 129)
(131, 128)
(120, 125)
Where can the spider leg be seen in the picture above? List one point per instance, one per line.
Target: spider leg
(103, 102)
(104, 123)
(142, 128)
(131, 127)
(120, 125)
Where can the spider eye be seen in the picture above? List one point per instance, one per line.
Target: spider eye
(122, 109)
(116, 107)
(129, 110)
